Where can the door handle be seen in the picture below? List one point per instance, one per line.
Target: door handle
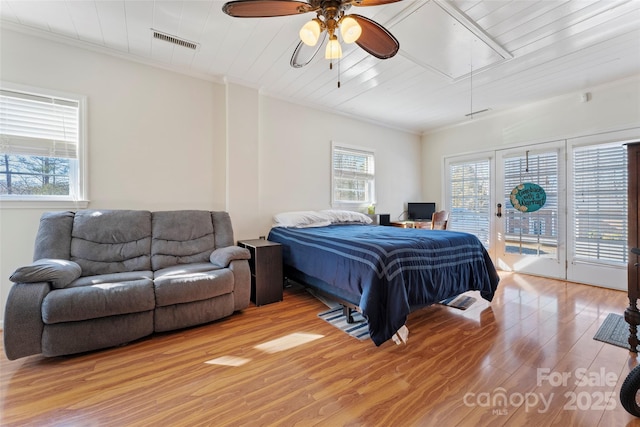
(499, 213)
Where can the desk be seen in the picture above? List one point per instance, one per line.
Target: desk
(412, 224)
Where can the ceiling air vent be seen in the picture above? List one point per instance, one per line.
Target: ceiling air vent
(173, 39)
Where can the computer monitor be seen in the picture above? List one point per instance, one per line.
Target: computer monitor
(422, 211)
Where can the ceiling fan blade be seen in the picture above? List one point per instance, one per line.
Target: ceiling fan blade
(303, 54)
(372, 2)
(375, 39)
(265, 8)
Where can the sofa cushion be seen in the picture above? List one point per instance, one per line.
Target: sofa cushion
(105, 296)
(192, 282)
(54, 236)
(222, 229)
(111, 241)
(181, 237)
(59, 272)
(127, 276)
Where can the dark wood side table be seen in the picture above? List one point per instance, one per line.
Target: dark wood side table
(266, 270)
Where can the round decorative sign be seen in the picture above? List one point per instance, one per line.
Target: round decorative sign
(528, 197)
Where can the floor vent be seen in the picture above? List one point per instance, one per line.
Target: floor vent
(173, 39)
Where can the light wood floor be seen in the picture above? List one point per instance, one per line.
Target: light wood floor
(280, 365)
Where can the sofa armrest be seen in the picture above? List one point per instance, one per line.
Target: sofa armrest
(221, 257)
(242, 283)
(23, 323)
(59, 272)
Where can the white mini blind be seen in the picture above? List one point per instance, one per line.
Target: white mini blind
(600, 203)
(33, 125)
(353, 175)
(532, 233)
(469, 189)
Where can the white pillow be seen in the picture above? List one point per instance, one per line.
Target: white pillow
(337, 216)
(301, 219)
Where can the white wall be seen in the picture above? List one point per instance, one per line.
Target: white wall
(615, 106)
(155, 138)
(295, 152)
(243, 115)
(160, 140)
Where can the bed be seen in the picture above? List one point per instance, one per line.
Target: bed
(386, 272)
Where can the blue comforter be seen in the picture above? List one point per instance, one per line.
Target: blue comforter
(392, 270)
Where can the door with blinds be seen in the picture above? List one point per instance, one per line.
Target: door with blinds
(530, 220)
(469, 196)
(578, 232)
(597, 249)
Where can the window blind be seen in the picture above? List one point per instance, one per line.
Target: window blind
(353, 175)
(469, 185)
(33, 125)
(532, 233)
(600, 203)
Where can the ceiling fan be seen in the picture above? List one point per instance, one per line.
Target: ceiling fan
(330, 16)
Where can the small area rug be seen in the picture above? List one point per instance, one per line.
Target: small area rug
(614, 330)
(359, 329)
(459, 301)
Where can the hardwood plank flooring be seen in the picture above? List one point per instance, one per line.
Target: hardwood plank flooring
(494, 364)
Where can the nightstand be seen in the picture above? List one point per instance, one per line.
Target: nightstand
(266, 270)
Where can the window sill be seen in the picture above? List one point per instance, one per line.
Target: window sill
(354, 205)
(43, 204)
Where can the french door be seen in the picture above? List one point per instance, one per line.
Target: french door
(578, 232)
(597, 245)
(530, 221)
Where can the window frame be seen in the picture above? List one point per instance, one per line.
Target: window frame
(77, 176)
(371, 197)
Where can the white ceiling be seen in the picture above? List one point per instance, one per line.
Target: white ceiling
(510, 52)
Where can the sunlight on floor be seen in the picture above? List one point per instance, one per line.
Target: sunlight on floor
(228, 361)
(274, 346)
(287, 342)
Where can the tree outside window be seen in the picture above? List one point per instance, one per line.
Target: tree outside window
(41, 144)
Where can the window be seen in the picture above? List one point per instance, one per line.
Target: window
(353, 176)
(600, 203)
(470, 198)
(41, 145)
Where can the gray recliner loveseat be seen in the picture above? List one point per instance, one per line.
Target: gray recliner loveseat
(103, 278)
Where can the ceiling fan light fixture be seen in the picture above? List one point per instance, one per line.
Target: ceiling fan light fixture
(310, 32)
(334, 50)
(330, 18)
(350, 29)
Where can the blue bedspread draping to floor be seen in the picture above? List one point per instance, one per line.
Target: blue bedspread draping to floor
(392, 270)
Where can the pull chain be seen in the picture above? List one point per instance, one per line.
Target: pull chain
(331, 68)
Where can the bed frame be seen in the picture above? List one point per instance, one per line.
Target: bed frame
(323, 289)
